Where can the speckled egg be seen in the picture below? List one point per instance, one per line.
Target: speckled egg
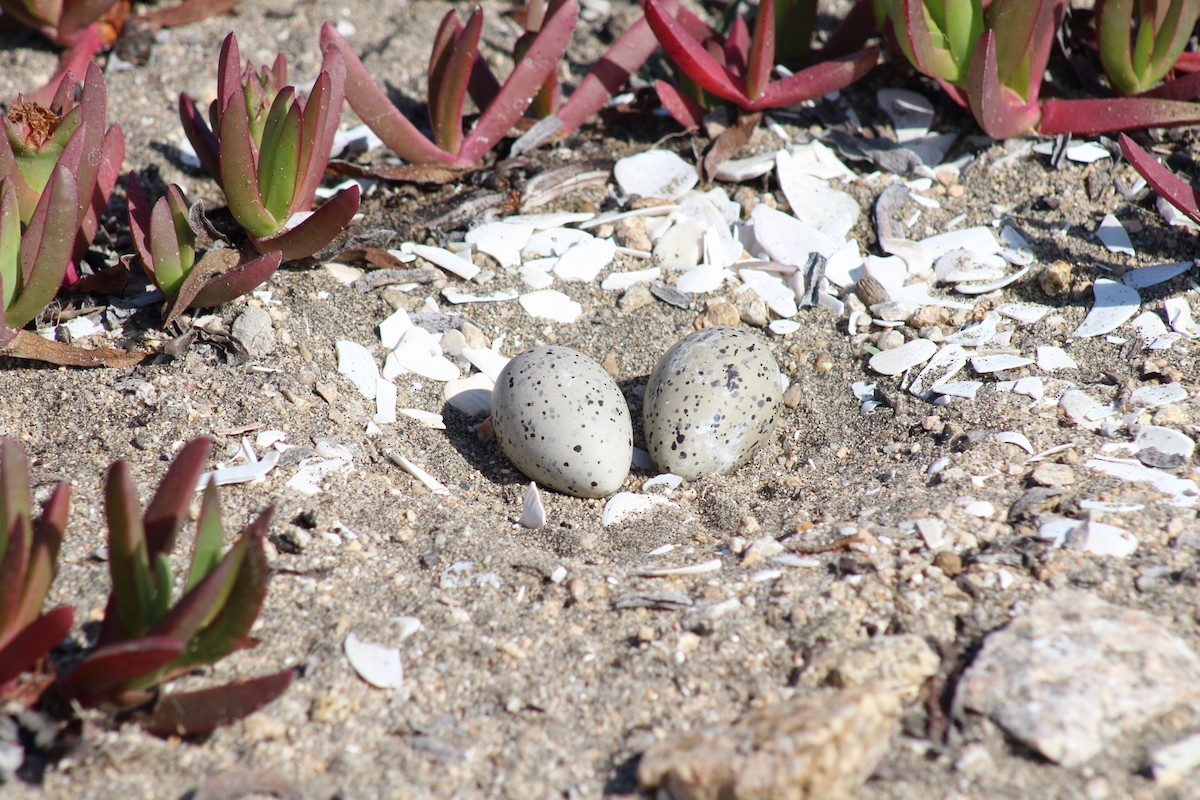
(711, 402)
(563, 422)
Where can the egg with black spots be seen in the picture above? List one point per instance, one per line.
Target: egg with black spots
(563, 422)
(711, 402)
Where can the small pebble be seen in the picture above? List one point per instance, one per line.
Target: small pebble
(949, 562)
(1051, 474)
(1055, 278)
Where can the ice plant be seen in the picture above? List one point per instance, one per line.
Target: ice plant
(151, 633)
(28, 552)
(166, 244)
(70, 132)
(34, 258)
(1175, 190)
(993, 62)
(268, 149)
(739, 66)
(455, 66)
(1140, 40)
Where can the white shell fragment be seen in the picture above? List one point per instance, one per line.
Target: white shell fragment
(1017, 439)
(1103, 540)
(1113, 235)
(356, 363)
(940, 369)
(713, 565)
(623, 505)
(385, 402)
(533, 513)
(470, 396)
(655, 173)
(420, 352)
(1165, 441)
(620, 281)
(377, 665)
(428, 481)
(1115, 305)
(904, 357)
(487, 361)
(503, 241)
(1051, 358)
(997, 363)
(393, 327)
(1181, 492)
(427, 418)
(1143, 277)
(829, 210)
(1081, 408)
(253, 468)
(441, 257)
(551, 304)
(1179, 316)
(966, 389)
(1155, 396)
(1024, 313)
(583, 261)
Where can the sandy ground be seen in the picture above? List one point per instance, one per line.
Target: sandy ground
(523, 682)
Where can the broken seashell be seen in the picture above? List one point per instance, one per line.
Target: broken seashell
(377, 665)
(1115, 305)
(533, 513)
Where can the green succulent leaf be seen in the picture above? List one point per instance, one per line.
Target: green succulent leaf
(229, 630)
(762, 51)
(321, 114)
(239, 171)
(279, 159)
(318, 230)
(452, 86)
(12, 576)
(48, 532)
(167, 511)
(46, 248)
(14, 491)
(206, 552)
(128, 562)
(201, 604)
(10, 249)
(1140, 40)
(166, 267)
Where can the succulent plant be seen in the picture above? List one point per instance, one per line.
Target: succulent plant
(738, 67)
(994, 61)
(1141, 40)
(33, 261)
(28, 553)
(1180, 193)
(150, 635)
(70, 132)
(455, 68)
(268, 150)
(166, 244)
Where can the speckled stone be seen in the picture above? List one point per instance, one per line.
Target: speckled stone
(711, 402)
(563, 422)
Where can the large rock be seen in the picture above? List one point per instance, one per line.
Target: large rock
(821, 746)
(1074, 672)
